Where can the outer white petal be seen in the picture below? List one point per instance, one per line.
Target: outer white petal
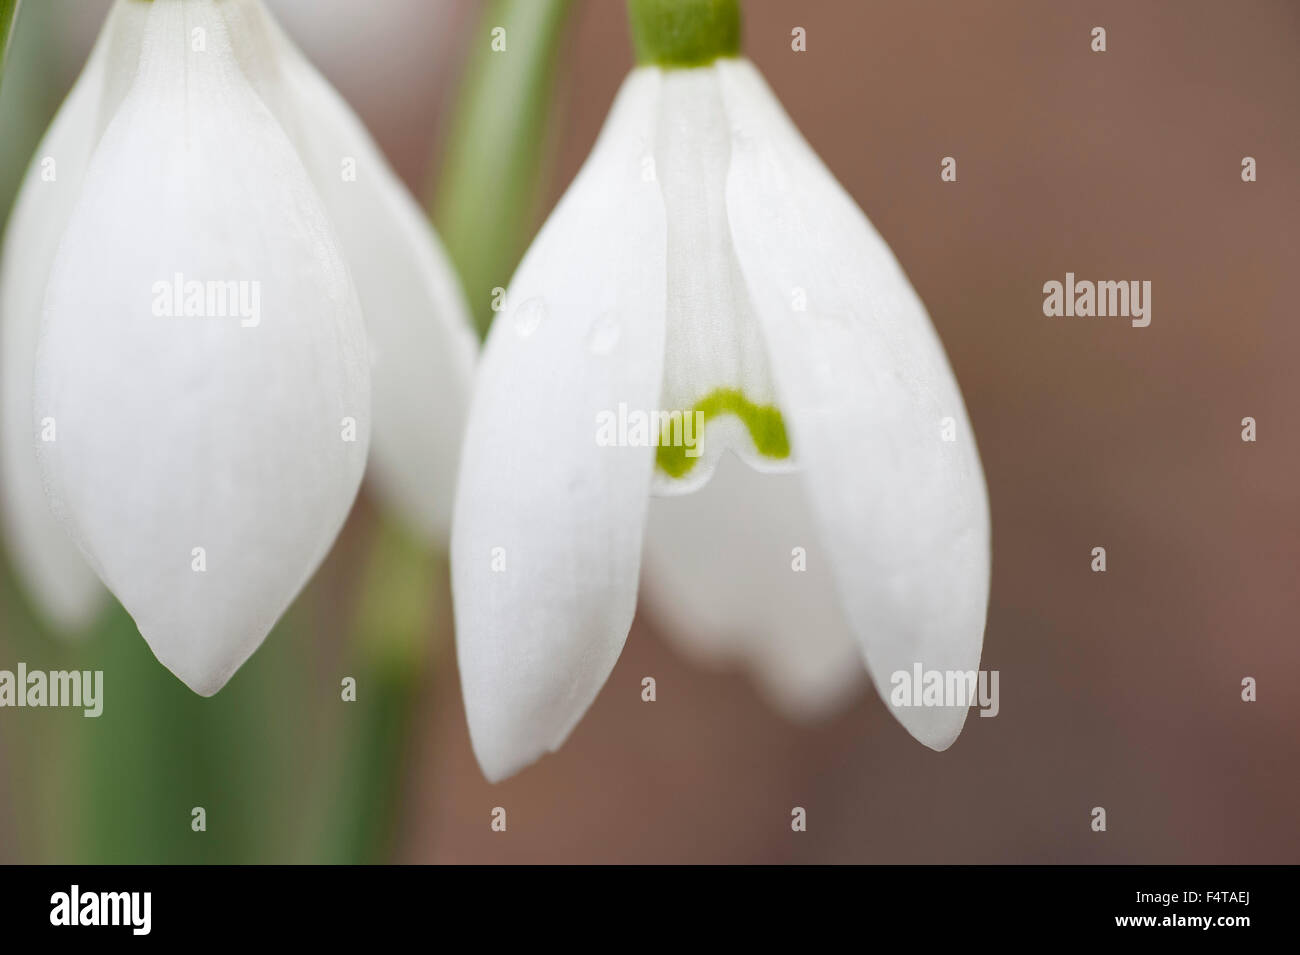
(720, 572)
(422, 343)
(582, 333)
(178, 433)
(864, 386)
(53, 571)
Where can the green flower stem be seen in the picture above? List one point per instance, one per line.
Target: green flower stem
(8, 16)
(404, 602)
(486, 200)
(684, 33)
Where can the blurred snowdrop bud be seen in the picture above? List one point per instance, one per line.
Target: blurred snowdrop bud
(414, 42)
(830, 409)
(204, 270)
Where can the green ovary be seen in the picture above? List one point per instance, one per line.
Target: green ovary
(681, 34)
(764, 423)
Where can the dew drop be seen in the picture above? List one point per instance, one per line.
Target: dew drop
(528, 316)
(603, 334)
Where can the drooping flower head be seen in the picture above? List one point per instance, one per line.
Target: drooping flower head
(705, 267)
(192, 307)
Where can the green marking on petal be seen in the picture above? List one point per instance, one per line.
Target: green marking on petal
(764, 423)
(684, 33)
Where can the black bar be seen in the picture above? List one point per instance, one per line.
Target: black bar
(335, 904)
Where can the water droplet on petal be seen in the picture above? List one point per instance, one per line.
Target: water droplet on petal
(603, 334)
(528, 316)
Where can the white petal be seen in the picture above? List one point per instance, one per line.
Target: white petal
(582, 332)
(721, 574)
(223, 432)
(422, 344)
(714, 354)
(864, 386)
(52, 570)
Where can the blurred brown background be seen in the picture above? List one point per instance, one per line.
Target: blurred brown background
(1120, 689)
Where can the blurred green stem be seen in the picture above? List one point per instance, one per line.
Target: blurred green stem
(485, 203)
(8, 16)
(402, 593)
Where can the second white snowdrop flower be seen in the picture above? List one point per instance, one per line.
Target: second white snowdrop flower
(223, 224)
(202, 357)
(705, 264)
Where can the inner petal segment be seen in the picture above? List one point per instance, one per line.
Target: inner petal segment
(718, 392)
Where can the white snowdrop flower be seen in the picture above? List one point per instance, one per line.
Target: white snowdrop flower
(200, 405)
(704, 262)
